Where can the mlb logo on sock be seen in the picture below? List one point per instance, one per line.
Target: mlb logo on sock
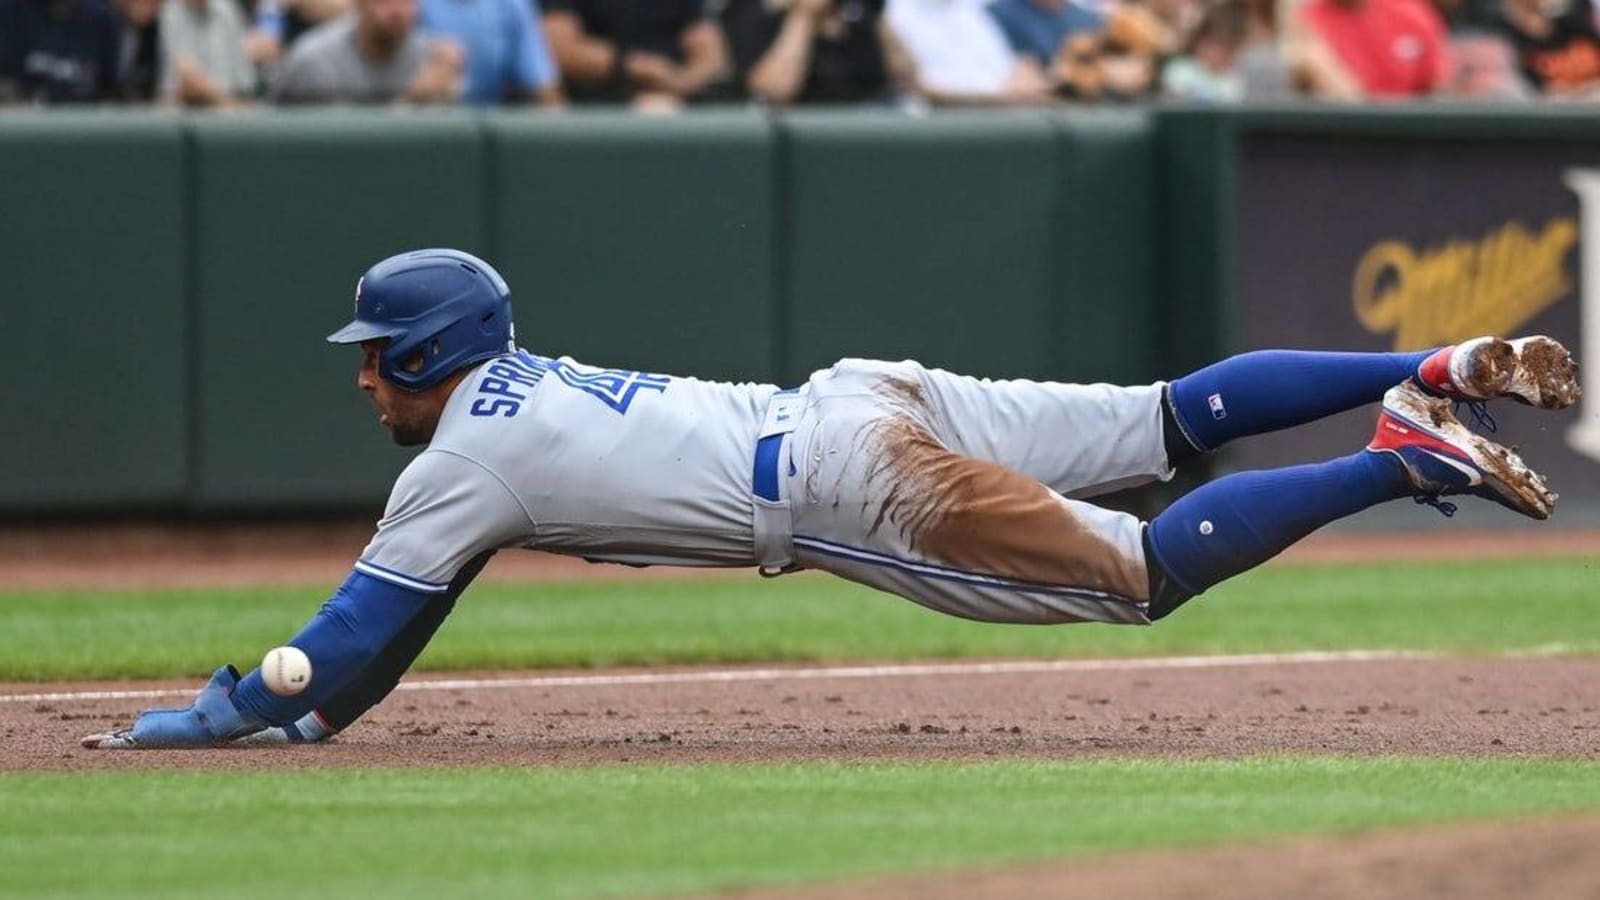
(1218, 411)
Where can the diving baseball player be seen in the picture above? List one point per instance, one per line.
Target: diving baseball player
(961, 494)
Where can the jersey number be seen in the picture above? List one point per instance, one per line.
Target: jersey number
(505, 386)
(616, 388)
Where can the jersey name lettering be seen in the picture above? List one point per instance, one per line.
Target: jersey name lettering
(506, 383)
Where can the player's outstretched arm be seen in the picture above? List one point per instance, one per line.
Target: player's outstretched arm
(351, 630)
(368, 688)
(445, 516)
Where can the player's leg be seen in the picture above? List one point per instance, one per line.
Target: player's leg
(1270, 390)
(973, 539)
(1084, 440)
(1079, 439)
(878, 499)
(1240, 521)
(966, 537)
(875, 496)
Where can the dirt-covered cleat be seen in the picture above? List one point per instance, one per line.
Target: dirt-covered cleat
(1442, 457)
(1535, 370)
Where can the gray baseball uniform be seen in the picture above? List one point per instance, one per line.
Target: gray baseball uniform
(943, 489)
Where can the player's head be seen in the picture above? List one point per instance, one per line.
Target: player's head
(421, 318)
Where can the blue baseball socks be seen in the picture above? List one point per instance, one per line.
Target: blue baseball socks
(1242, 520)
(1270, 390)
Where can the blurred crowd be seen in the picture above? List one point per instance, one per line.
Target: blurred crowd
(668, 54)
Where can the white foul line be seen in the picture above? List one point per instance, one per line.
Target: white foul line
(723, 676)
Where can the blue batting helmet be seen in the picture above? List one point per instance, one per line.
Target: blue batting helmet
(450, 307)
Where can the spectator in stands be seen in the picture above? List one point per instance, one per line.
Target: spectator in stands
(1394, 48)
(656, 54)
(1313, 68)
(1233, 55)
(279, 23)
(1485, 68)
(57, 51)
(816, 51)
(1557, 51)
(138, 49)
(373, 55)
(1209, 71)
(203, 58)
(962, 56)
(1040, 29)
(507, 59)
(1089, 51)
(1181, 18)
(1135, 38)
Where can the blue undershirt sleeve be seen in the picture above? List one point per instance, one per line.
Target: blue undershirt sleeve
(344, 637)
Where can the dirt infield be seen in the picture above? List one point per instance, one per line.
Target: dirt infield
(1469, 708)
(1431, 707)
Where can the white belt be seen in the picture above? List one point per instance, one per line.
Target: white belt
(772, 522)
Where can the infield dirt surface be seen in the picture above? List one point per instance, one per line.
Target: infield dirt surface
(1499, 707)
(1529, 707)
(1460, 708)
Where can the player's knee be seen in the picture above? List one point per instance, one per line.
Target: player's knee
(1179, 445)
(1166, 595)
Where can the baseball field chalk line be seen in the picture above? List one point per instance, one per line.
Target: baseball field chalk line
(723, 676)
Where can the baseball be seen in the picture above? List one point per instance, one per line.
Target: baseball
(286, 670)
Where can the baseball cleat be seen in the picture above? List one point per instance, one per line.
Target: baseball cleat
(1535, 370)
(1442, 457)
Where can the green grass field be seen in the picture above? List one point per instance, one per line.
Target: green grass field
(556, 833)
(1459, 608)
(648, 829)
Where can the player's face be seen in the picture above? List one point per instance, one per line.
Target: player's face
(411, 417)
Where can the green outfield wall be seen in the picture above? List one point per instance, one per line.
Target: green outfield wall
(173, 276)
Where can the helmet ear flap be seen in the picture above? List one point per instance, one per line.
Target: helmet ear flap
(421, 358)
(404, 362)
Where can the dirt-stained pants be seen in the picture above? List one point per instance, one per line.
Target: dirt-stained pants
(953, 491)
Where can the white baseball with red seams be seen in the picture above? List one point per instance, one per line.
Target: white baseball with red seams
(286, 670)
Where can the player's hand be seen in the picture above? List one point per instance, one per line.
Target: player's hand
(212, 719)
